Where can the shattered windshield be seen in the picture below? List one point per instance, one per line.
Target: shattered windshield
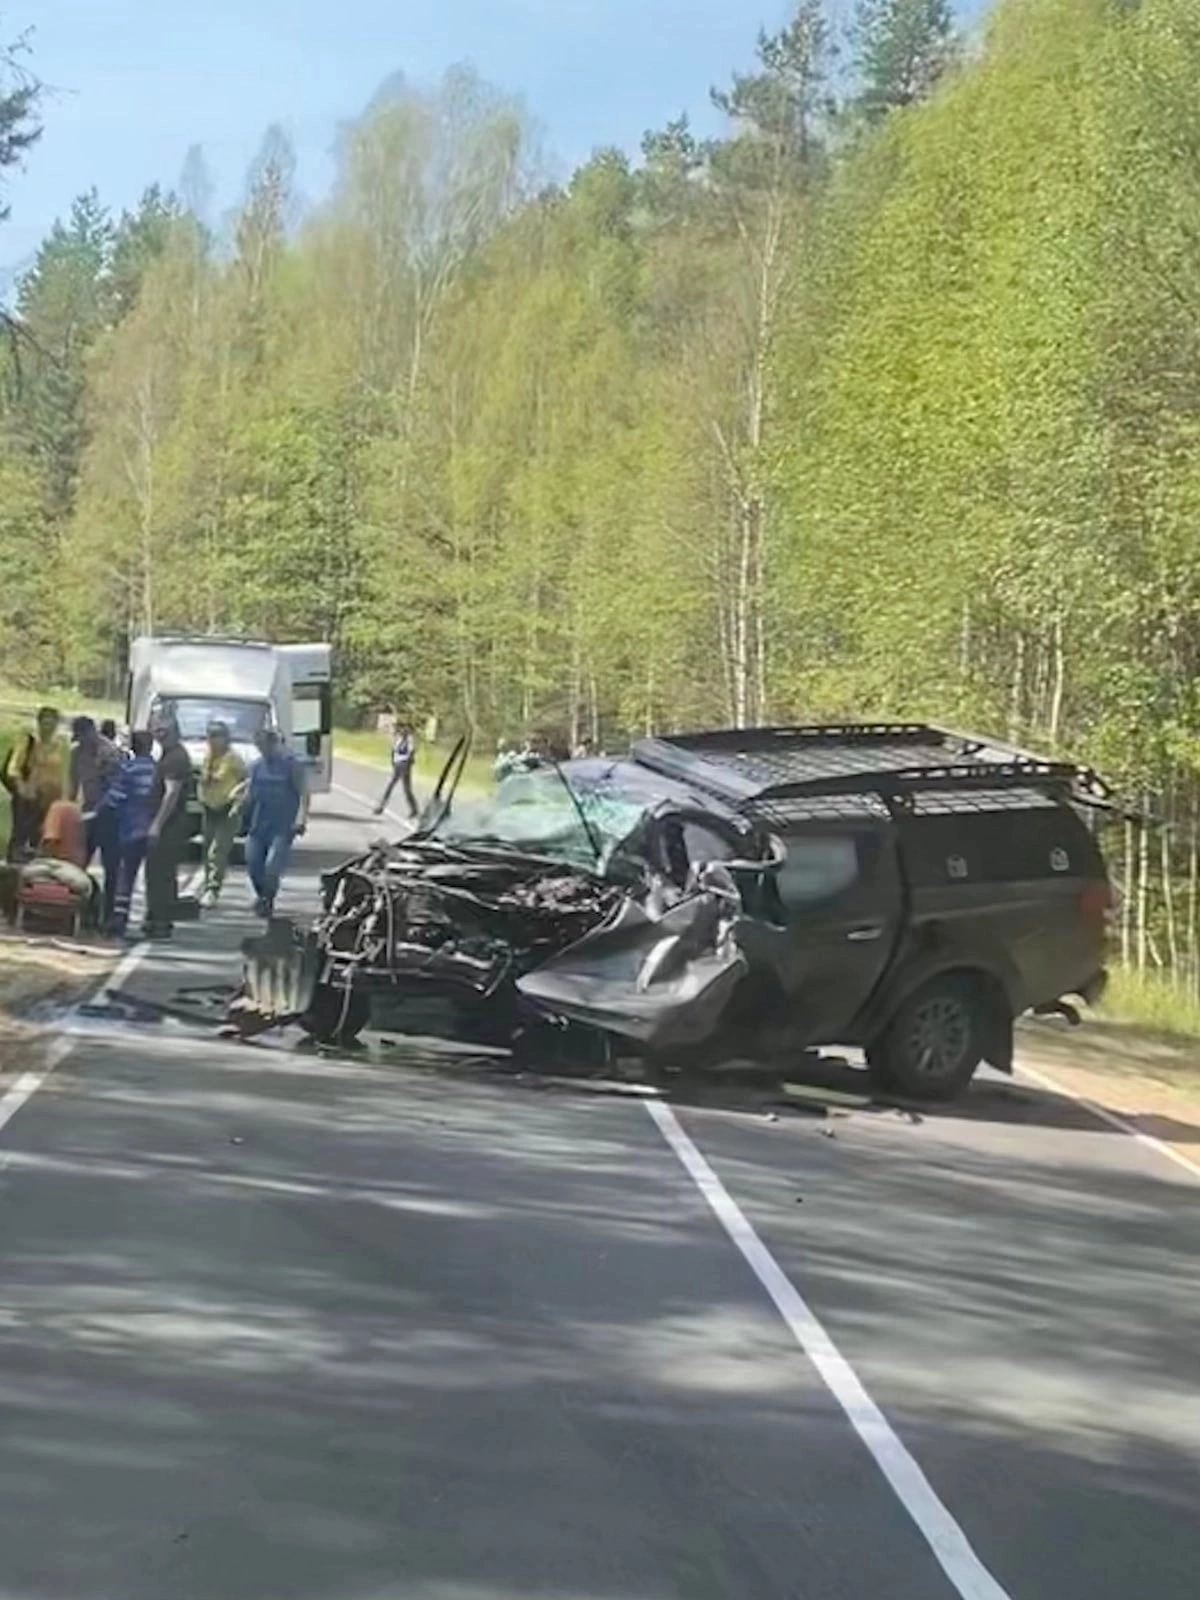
(535, 811)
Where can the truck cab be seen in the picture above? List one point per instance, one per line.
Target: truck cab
(248, 685)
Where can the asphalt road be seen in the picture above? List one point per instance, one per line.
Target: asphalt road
(274, 1325)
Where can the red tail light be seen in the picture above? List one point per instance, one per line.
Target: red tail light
(1096, 904)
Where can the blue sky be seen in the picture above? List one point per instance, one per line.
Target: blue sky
(135, 82)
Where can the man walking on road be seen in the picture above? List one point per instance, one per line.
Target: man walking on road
(222, 789)
(277, 807)
(404, 755)
(167, 838)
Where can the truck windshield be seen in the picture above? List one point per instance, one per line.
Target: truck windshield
(534, 811)
(245, 719)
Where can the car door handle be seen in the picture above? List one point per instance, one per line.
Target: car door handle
(865, 935)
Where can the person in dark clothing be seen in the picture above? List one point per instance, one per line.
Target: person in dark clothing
(130, 804)
(404, 755)
(167, 836)
(94, 764)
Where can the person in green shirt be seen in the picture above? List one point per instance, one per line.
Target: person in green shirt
(221, 789)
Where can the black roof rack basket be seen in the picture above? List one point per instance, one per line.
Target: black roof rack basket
(747, 767)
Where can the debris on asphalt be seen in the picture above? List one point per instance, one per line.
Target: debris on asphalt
(827, 1099)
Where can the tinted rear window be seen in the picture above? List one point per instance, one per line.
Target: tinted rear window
(999, 847)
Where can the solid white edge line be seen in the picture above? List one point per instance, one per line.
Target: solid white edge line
(27, 1085)
(949, 1544)
(1112, 1118)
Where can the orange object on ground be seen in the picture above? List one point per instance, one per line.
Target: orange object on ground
(64, 833)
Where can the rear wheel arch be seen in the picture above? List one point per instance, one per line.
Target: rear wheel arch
(966, 1008)
(996, 1014)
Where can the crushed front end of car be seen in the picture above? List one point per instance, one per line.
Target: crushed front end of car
(553, 903)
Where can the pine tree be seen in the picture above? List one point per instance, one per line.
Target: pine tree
(901, 48)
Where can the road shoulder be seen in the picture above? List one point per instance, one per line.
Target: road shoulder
(1150, 1085)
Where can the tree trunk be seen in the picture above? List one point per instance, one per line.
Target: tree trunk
(1016, 692)
(1127, 896)
(1169, 903)
(1193, 882)
(1059, 680)
(1143, 889)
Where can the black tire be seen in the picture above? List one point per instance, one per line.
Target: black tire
(335, 1016)
(934, 1042)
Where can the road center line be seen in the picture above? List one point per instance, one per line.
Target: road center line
(945, 1538)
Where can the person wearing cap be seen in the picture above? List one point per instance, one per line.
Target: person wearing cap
(222, 786)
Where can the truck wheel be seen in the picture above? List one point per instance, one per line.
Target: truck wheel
(934, 1042)
(335, 1017)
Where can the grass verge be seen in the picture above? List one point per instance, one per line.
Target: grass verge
(1147, 1030)
(1150, 1000)
(37, 974)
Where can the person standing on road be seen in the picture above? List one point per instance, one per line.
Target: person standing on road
(277, 813)
(404, 755)
(167, 837)
(35, 775)
(130, 802)
(95, 761)
(221, 790)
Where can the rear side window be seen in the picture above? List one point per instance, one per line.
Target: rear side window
(817, 869)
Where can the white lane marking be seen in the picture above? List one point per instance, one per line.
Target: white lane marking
(361, 800)
(945, 1538)
(28, 1084)
(1114, 1120)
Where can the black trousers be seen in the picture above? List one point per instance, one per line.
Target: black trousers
(162, 877)
(102, 839)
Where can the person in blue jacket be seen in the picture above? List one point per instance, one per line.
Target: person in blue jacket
(129, 800)
(276, 813)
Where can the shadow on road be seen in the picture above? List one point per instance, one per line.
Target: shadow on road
(286, 1325)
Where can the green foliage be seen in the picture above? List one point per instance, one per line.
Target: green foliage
(20, 97)
(785, 423)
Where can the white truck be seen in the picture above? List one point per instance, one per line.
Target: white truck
(246, 684)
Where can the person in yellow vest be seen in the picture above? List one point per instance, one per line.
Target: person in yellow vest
(221, 789)
(35, 775)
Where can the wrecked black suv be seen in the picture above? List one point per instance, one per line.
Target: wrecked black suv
(895, 887)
